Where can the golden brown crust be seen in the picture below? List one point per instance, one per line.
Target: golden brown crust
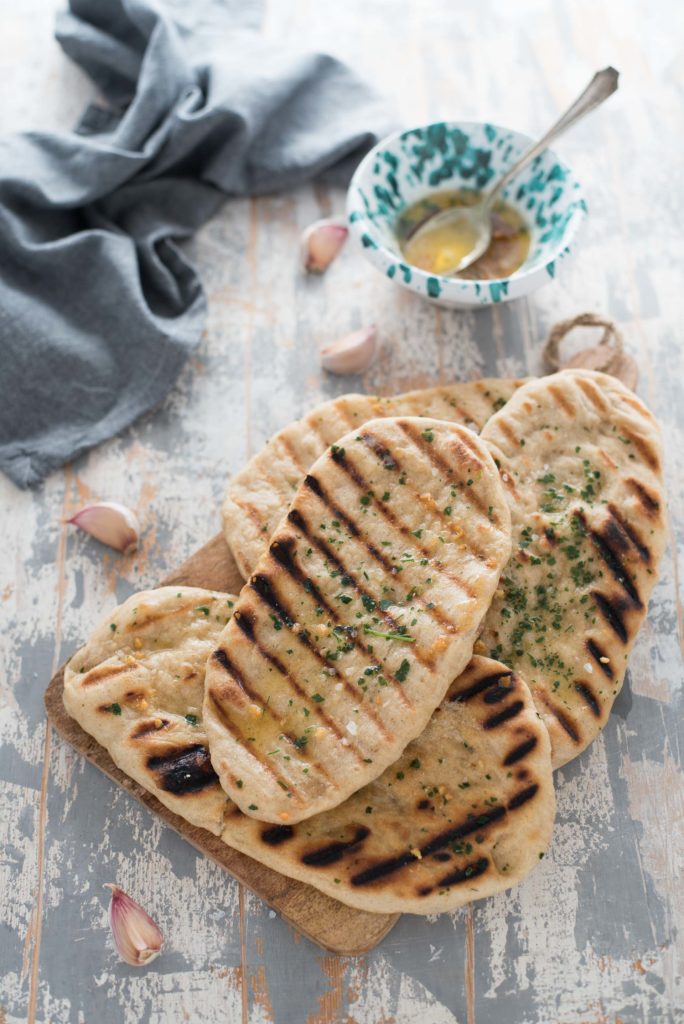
(258, 495)
(581, 461)
(466, 812)
(137, 686)
(362, 611)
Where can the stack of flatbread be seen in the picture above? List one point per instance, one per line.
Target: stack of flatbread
(442, 590)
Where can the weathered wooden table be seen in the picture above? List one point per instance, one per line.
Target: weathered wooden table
(593, 936)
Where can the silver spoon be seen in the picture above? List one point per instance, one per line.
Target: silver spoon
(477, 218)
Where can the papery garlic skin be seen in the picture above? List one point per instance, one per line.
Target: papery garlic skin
(321, 242)
(110, 523)
(353, 353)
(136, 937)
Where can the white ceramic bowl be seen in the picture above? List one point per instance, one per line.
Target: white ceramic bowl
(410, 165)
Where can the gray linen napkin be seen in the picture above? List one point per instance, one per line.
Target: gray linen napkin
(99, 307)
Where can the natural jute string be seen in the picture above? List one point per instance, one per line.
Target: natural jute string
(611, 338)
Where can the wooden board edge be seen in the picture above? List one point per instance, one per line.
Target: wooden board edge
(329, 924)
(219, 569)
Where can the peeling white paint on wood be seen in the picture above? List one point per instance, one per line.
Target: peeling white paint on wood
(595, 934)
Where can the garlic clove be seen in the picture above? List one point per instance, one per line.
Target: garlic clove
(136, 937)
(110, 523)
(353, 353)
(321, 243)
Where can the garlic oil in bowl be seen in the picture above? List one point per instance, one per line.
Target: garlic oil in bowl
(436, 163)
(435, 249)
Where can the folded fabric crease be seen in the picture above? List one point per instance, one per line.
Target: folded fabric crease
(99, 306)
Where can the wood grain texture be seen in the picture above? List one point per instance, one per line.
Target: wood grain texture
(595, 936)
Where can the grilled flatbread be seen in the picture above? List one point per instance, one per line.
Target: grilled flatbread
(581, 461)
(258, 496)
(465, 813)
(364, 609)
(137, 686)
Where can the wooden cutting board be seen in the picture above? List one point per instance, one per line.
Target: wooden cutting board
(326, 922)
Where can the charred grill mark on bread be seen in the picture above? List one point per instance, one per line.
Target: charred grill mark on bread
(390, 461)
(517, 753)
(561, 401)
(594, 395)
(649, 503)
(590, 697)
(333, 852)
(613, 613)
(100, 672)
(647, 451)
(298, 520)
(465, 454)
(522, 797)
(183, 770)
(265, 762)
(276, 835)
(358, 534)
(600, 658)
(564, 720)
(631, 533)
(479, 685)
(241, 620)
(263, 586)
(500, 717)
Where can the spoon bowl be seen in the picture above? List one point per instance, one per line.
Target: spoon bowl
(455, 156)
(467, 231)
(468, 234)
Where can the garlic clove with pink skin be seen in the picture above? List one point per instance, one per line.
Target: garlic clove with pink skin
(321, 242)
(352, 353)
(136, 937)
(110, 523)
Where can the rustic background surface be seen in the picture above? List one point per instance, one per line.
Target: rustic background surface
(593, 936)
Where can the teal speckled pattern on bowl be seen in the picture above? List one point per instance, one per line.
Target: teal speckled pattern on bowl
(406, 167)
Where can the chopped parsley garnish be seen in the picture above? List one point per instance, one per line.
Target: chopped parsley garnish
(202, 608)
(114, 709)
(389, 636)
(428, 435)
(191, 719)
(317, 698)
(402, 671)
